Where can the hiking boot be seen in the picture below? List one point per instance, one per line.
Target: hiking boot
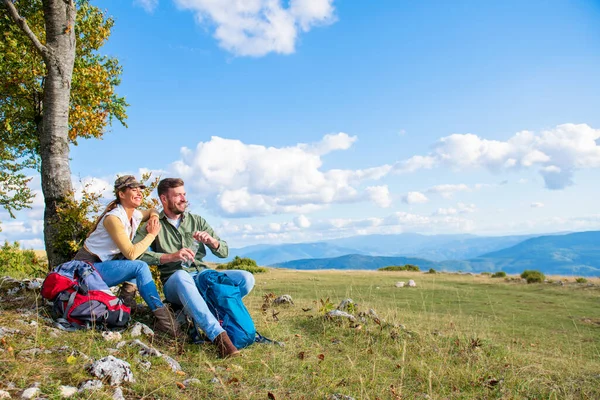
(164, 321)
(224, 346)
(127, 293)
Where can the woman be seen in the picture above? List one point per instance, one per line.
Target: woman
(109, 247)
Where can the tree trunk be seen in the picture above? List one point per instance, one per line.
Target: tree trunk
(59, 16)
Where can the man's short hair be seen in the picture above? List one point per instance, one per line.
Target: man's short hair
(168, 183)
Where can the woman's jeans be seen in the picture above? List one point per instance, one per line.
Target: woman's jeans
(115, 272)
(181, 289)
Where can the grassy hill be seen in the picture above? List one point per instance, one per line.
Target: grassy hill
(356, 261)
(571, 254)
(451, 337)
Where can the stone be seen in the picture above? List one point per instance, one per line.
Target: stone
(215, 380)
(67, 391)
(173, 364)
(140, 328)
(145, 365)
(8, 331)
(33, 284)
(115, 370)
(412, 283)
(30, 352)
(90, 385)
(284, 299)
(118, 394)
(4, 394)
(346, 305)
(337, 314)
(145, 349)
(400, 284)
(338, 396)
(110, 336)
(30, 393)
(191, 381)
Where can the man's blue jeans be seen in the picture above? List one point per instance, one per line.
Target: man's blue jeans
(115, 272)
(181, 289)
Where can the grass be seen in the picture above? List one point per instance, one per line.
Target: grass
(451, 337)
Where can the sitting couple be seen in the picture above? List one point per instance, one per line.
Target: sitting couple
(118, 239)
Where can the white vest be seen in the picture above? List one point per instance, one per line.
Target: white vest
(101, 244)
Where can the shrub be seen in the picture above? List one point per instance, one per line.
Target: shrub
(581, 280)
(486, 273)
(20, 263)
(407, 267)
(499, 274)
(532, 276)
(432, 271)
(246, 264)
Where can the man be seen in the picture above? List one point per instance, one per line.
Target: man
(172, 247)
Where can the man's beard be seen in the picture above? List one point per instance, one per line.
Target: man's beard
(176, 211)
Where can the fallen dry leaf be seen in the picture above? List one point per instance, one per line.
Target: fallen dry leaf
(180, 385)
(321, 356)
(271, 396)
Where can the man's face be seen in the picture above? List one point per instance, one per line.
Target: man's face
(174, 200)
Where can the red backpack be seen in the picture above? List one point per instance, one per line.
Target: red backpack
(81, 299)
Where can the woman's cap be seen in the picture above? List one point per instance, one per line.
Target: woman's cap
(127, 181)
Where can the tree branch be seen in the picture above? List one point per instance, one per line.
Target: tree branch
(21, 23)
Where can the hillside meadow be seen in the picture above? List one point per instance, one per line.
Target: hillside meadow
(451, 337)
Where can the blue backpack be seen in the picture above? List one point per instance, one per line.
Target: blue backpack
(224, 301)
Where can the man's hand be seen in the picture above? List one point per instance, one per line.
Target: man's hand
(181, 255)
(204, 237)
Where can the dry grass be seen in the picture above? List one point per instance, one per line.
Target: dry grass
(452, 337)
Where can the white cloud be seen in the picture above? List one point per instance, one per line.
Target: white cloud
(415, 198)
(556, 153)
(252, 180)
(302, 222)
(537, 204)
(448, 190)
(461, 208)
(257, 27)
(380, 195)
(148, 5)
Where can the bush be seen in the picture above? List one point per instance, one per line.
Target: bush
(486, 273)
(407, 267)
(532, 276)
(432, 271)
(246, 264)
(581, 280)
(499, 274)
(20, 263)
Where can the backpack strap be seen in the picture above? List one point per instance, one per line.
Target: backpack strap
(261, 339)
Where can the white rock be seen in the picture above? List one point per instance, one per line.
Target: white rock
(121, 344)
(35, 283)
(215, 380)
(145, 349)
(175, 366)
(30, 393)
(116, 370)
(283, 299)
(412, 283)
(91, 385)
(346, 304)
(4, 394)
(67, 391)
(340, 314)
(110, 336)
(145, 365)
(118, 394)
(140, 328)
(400, 284)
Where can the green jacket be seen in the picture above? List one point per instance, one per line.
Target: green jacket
(171, 240)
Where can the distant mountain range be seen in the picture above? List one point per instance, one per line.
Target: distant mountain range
(558, 253)
(570, 254)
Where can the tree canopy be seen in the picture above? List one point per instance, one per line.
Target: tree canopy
(93, 104)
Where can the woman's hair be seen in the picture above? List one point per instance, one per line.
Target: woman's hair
(168, 183)
(111, 206)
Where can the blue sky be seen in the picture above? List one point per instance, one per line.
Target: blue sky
(301, 120)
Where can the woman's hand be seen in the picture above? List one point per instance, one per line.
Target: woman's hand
(153, 226)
